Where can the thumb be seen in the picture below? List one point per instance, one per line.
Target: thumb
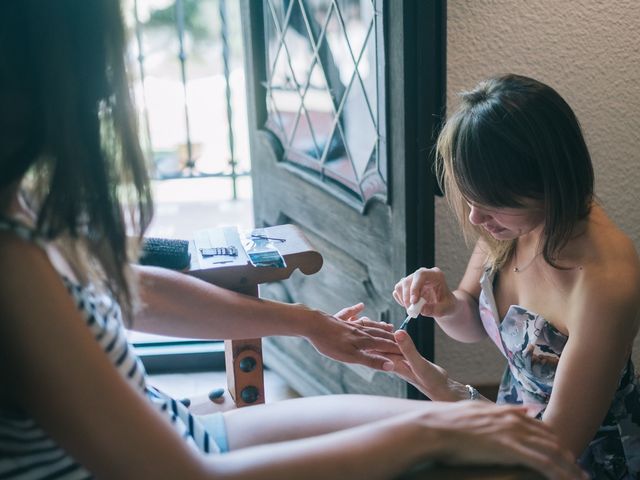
(408, 348)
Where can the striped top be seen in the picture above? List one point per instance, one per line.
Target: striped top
(26, 451)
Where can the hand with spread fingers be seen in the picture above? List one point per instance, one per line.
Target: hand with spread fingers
(482, 433)
(347, 337)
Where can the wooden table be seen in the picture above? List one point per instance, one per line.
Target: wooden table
(243, 358)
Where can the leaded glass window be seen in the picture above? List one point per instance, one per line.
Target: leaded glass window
(325, 91)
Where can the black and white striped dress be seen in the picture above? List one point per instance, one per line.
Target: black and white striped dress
(26, 451)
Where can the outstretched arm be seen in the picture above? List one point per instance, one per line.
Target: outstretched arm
(179, 305)
(463, 433)
(60, 376)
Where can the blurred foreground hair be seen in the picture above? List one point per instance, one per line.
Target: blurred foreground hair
(70, 133)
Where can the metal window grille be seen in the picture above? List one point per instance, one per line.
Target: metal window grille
(171, 44)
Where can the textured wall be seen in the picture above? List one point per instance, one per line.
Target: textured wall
(588, 51)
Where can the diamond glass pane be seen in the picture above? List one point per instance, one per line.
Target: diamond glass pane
(339, 64)
(275, 123)
(368, 75)
(319, 105)
(277, 9)
(341, 165)
(272, 33)
(282, 76)
(298, 45)
(323, 80)
(304, 140)
(356, 18)
(359, 128)
(287, 104)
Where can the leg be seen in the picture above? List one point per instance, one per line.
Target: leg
(310, 416)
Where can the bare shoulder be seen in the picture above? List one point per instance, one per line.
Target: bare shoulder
(18, 254)
(613, 259)
(608, 283)
(30, 294)
(27, 275)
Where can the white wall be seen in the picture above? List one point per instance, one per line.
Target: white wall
(588, 50)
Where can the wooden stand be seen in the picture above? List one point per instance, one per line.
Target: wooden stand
(243, 358)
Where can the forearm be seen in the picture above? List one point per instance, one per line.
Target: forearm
(179, 305)
(462, 322)
(375, 451)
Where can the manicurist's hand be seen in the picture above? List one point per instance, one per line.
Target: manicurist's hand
(429, 378)
(430, 284)
(352, 339)
(473, 432)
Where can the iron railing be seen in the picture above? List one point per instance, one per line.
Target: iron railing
(189, 169)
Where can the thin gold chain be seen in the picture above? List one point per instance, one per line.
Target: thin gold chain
(518, 269)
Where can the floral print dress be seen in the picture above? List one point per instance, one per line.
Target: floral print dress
(532, 347)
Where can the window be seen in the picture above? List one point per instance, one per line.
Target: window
(324, 100)
(185, 59)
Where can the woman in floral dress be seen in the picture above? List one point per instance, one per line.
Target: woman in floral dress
(552, 281)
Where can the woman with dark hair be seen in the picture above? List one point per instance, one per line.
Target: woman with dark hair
(552, 281)
(74, 398)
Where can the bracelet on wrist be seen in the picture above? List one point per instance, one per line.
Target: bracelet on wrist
(473, 393)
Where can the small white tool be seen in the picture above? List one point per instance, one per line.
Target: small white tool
(412, 312)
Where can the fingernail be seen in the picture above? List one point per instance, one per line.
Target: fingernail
(387, 366)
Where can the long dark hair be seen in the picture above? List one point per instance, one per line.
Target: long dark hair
(515, 138)
(67, 118)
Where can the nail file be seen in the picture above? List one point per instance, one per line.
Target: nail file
(412, 312)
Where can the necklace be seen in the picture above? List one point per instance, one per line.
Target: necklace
(518, 269)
